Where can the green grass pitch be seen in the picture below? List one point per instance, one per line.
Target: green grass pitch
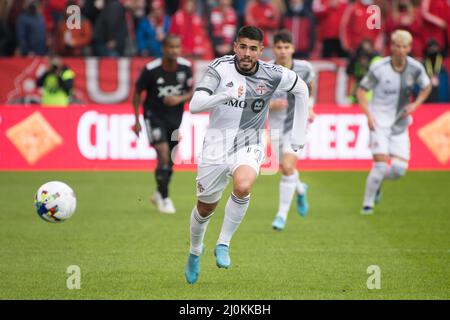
(126, 250)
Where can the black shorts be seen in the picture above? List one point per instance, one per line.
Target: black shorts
(159, 130)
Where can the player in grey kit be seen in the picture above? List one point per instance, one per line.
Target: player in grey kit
(236, 90)
(392, 80)
(281, 116)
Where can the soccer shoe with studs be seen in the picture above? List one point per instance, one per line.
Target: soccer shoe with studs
(156, 199)
(222, 256)
(278, 223)
(192, 268)
(166, 206)
(366, 210)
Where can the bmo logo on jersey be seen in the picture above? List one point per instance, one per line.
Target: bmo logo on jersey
(257, 105)
(165, 91)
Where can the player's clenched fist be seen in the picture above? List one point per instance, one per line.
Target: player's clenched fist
(137, 128)
(240, 91)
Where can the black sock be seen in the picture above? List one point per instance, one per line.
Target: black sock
(162, 175)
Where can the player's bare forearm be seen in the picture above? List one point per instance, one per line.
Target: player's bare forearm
(364, 104)
(362, 100)
(136, 103)
(423, 95)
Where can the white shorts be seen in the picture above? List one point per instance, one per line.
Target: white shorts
(383, 141)
(212, 179)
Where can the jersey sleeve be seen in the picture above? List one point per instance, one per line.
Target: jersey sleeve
(369, 81)
(423, 80)
(288, 80)
(311, 75)
(143, 81)
(189, 79)
(210, 81)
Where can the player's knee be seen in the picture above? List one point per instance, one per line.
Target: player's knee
(287, 169)
(242, 188)
(205, 209)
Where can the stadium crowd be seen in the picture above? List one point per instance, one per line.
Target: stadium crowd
(321, 28)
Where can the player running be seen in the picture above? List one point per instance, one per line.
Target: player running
(168, 84)
(236, 90)
(281, 116)
(392, 80)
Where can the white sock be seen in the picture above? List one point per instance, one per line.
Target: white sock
(234, 213)
(197, 231)
(288, 185)
(373, 182)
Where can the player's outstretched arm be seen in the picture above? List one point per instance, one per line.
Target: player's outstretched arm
(293, 84)
(311, 113)
(204, 100)
(301, 94)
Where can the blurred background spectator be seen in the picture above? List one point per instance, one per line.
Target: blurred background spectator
(207, 27)
(152, 29)
(223, 20)
(6, 32)
(299, 21)
(72, 42)
(264, 15)
(30, 30)
(403, 15)
(359, 64)
(433, 62)
(110, 29)
(54, 12)
(91, 9)
(354, 26)
(328, 15)
(189, 27)
(240, 6)
(435, 15)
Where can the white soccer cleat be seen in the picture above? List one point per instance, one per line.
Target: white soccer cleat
(156, 199)
(166, 206)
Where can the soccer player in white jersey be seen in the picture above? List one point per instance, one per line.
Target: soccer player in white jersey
(392, 80)
(281, 115)
(236, 90)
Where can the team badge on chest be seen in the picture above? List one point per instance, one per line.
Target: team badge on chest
(261, 88)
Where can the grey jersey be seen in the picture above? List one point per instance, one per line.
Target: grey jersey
(392, 90)
(239, 122)
(283, 119)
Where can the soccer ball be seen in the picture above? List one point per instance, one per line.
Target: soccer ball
(55, 201)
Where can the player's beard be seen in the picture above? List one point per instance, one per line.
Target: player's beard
(248, 61)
